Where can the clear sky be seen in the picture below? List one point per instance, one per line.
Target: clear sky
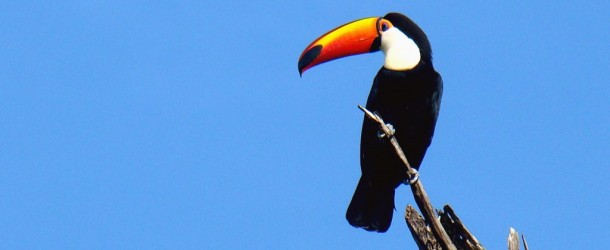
(185, 124)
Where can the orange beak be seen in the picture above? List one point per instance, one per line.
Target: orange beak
(358, 37)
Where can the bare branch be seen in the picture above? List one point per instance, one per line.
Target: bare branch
(421, 198)
(420, 231)
(390, 134)
(513, 240)
(459, 234)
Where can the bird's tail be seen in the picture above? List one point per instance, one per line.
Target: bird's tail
(371, 207)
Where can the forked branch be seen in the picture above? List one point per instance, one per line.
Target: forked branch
(433, 232)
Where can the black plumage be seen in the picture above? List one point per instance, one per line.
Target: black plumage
(410, 101)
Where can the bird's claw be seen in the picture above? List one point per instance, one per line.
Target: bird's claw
(412, 178)
(382, 134)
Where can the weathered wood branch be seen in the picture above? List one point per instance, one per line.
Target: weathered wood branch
(513, 240)
(421, 198)
(459, 234)
(432, 232)
(420, 231)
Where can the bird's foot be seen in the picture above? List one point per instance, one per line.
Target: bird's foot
(382, 134)
(412, 178)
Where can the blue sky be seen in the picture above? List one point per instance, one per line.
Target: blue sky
(185, 124)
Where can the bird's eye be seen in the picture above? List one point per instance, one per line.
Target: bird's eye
(384, 27)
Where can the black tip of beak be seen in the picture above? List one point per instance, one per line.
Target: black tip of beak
(308, 57)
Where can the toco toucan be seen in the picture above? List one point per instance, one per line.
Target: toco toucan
(406, 93)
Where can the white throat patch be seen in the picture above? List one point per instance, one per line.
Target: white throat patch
(401, 52)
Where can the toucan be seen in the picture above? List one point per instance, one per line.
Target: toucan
(406, 93)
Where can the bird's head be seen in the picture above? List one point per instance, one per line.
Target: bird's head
(403, 43)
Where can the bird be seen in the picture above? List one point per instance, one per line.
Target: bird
(406, 92)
